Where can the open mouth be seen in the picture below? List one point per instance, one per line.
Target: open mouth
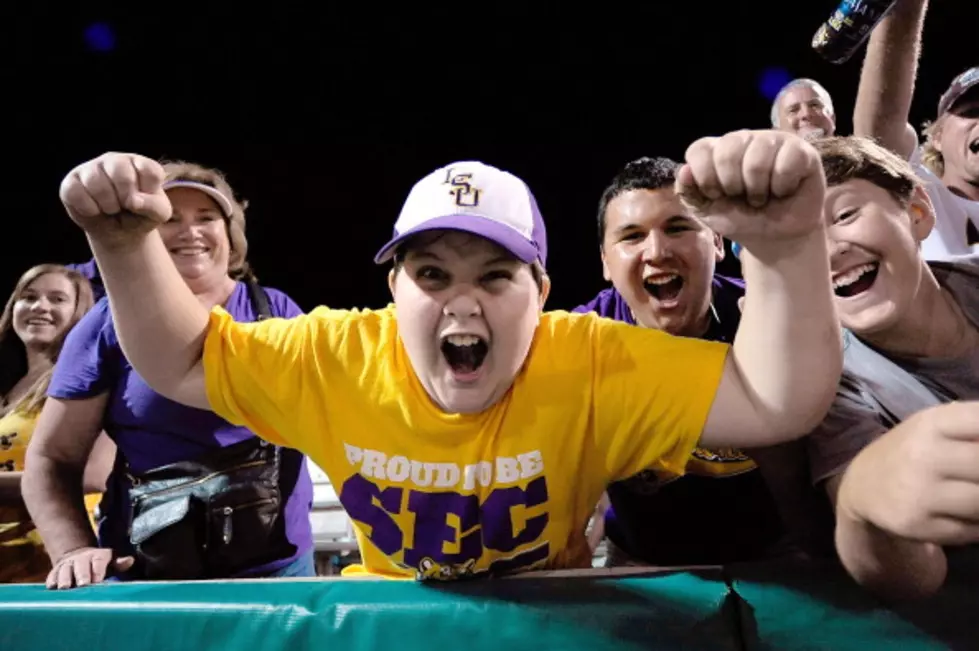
(855, 281)
(39, 322)
(464, 354)
(664, 288)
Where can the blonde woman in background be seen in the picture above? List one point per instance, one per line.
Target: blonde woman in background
(46, 303)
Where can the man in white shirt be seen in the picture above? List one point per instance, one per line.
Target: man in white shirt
(948, 161)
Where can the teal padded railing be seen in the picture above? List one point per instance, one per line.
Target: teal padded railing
(777, 607)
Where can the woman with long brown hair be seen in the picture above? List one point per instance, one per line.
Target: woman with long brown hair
(46, 303)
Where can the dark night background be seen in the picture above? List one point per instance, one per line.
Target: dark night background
(323, 116)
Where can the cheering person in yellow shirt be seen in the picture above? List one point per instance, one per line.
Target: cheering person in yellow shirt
(468, 431)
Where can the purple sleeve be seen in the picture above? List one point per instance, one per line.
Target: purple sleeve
(88, 269)
(603, 304)
(89, 359)
(606, 303)
(590, 306)
(281, 305)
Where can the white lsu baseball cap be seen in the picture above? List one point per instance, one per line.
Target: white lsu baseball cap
(476, 198)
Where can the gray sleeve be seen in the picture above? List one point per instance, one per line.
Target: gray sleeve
(851, 424)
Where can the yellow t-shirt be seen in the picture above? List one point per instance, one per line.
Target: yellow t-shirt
(437, 495)
(16, 430)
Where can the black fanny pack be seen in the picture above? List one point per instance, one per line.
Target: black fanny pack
(210, 517)
(214, 516)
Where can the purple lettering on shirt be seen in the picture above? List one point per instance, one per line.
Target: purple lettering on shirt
(475, 526)
(358, 495)
(432, 530)
(498, 521)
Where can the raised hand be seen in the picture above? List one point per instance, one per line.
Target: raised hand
(116, 197)
(758, 188)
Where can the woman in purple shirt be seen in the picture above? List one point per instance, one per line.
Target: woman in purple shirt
(191, 495)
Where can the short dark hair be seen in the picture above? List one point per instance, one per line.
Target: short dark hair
(644, 173)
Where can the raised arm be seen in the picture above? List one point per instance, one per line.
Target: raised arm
(887, 79)
(118, 199)
(765, 190)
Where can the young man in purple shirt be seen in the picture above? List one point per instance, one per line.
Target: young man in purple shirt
(661, 261)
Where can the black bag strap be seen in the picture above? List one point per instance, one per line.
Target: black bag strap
(259, 299)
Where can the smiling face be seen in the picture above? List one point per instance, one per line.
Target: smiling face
(805, 113)
(661, 260)
(467, 312)
(44, 310)
(958, 140)
(876, 265)
(196, 236)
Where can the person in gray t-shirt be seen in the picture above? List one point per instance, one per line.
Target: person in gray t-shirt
(864, 411)
(898, 453)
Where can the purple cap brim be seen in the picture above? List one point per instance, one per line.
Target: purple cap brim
(523, 249)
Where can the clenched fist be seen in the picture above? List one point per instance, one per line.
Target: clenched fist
(116, 196)
(758, 188)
